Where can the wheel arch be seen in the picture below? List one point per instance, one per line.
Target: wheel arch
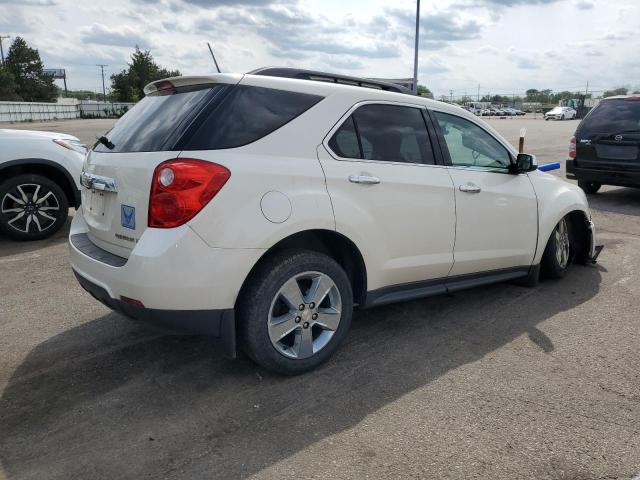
(48, 168)
(580, 237)
(328, 242)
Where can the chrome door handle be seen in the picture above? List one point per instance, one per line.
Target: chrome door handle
(365, 179)
(470, 188)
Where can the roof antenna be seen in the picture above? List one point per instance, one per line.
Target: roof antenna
(214, 57)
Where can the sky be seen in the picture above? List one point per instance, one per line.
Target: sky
(498, 46)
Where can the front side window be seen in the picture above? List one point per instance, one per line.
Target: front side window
(388, 133)
(471, 146)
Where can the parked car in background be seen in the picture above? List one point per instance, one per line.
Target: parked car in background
(261, 208)
(39, 181)
(561, 113)
(606, 147)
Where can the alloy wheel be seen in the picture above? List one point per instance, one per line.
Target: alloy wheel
(562, 244)
(304, 314)
(30, 208)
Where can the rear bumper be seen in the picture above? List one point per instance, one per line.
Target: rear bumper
(214, 323)
(619, 178)
(181, 282)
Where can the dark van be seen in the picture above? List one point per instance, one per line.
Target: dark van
(606, 147)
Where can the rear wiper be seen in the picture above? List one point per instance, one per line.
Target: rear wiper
(106, 142)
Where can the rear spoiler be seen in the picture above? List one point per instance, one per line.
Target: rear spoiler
(176, 82)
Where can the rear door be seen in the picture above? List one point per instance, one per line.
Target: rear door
(609, 136)
(389, 194)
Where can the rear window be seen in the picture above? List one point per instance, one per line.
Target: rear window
(157, 121)
(613, 116)
(245, 115)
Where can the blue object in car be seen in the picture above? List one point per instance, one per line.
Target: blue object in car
(549, 166)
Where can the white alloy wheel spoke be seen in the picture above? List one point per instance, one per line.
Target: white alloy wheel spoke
(37, 222)
(17, 200)
(303, 345)
(282, 326)
(320, 286)
(17, 217)
(43, 214)
(25, 199)
(12, 210)
(34, 198)
(39, 202)
(328, 318)
(290, 291)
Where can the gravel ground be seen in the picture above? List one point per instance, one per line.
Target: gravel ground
(500, 382)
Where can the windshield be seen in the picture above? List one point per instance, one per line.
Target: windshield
(613, 116)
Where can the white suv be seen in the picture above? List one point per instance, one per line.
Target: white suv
(39, 181)
(261, 209)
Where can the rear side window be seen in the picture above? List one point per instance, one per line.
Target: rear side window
(157, 121)
(345, 141)
(613, 116)
(245, 115)
(388, 133)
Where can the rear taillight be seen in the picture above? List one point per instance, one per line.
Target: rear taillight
(572, 148)
(181, 188)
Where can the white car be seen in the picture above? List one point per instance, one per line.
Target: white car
(561, 113)
(262, 210)
(39, 181)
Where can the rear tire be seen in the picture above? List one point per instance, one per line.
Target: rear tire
(287, 338)
(559, 252)
(32, 207)
(589, 187)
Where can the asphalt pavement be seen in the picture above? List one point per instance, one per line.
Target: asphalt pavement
(499, 382)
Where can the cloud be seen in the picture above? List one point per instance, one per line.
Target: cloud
(433, 65)
(290, 31)
(613, 36)
(31, 3)
(437, 29)
(584, 4)
(103, 35)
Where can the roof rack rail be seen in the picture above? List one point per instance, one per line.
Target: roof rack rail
(302, 74)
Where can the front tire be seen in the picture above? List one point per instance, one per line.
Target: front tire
(32, 207)
(558, 253)
(294, 311)
(589, 187)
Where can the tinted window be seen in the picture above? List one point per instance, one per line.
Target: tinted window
(245, 115)
(613, 116)
(345, 141)
(469, 145)
(157, 121)
(394, 134)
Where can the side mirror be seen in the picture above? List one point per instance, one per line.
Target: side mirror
(524, 163)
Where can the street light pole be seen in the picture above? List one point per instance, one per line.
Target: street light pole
(2, 37)
(415, 58)
(104, 93)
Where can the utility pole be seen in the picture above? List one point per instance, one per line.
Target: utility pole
(478, 92)
(104, 93)
(415, 57)
(451, 96)
(2, 37)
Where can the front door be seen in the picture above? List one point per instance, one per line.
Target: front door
(497, 213)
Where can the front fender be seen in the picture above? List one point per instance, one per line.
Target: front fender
(556, 199)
